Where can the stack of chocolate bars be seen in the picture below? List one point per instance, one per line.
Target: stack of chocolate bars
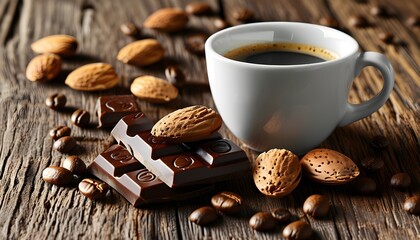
(145, 169)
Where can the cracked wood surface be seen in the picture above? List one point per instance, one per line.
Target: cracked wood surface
(30, 208)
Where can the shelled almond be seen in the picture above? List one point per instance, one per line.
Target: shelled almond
(44, 67)
(93, 77)
(167, 20)
(63, 45)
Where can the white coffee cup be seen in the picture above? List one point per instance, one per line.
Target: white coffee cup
(295, 107)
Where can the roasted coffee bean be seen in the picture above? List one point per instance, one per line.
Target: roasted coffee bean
(243, 15)
(74, 164)
(365, 185)
(262, 221)
(220, 24)
(59, 131)
(413, 21)
(56, 101)
(204, 216)
(175, 75)
(93, 189)
(298, 230)
(57, 175)
(129, 29)
(195, 43)
(379, 11)
(372, 164)
(329, 22)
(281, 214)
(80, 118)
(387, 38)
(198, 8)
(227, 202)
(65, 144)
(316, 206)
(379, 142)
(358, 21)
(401, 181)
(412, 205)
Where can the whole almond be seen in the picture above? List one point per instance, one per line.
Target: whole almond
(187, 124)
(141, 53)
(153, 89)
(198, 8)
(63, 45)
(329, 167)
(277, 172)
(167, 20)
(93, 77)
(44, 67)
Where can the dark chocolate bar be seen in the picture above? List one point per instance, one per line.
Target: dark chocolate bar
(110, 109)
(180, 164)
(134, 182)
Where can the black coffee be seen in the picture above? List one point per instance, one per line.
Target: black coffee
(280, 54)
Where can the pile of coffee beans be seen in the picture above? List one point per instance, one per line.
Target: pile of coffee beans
(72, 169)
(232, 204)
(366, 185)
(64, 143)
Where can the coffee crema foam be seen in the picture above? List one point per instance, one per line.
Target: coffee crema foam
(246, 50)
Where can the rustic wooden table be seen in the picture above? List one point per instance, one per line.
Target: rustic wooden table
(31, 208)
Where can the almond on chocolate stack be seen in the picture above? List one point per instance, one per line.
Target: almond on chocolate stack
(183, 148)
(187, 124)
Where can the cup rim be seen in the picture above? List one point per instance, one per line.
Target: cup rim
(209, 46)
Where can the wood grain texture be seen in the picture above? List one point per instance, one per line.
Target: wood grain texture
(33, 209)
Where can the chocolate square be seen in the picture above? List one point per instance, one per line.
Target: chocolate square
(110, 109)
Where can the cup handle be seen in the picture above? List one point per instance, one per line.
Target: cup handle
(356, 112)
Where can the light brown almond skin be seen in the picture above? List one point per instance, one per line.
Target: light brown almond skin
(93, 77)
(198, 8)
(153, 89)
(187, 124)
(329, 167)
(63, 45)
(277, 172)
(141, 53)
(167, 20)
(43, 68)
